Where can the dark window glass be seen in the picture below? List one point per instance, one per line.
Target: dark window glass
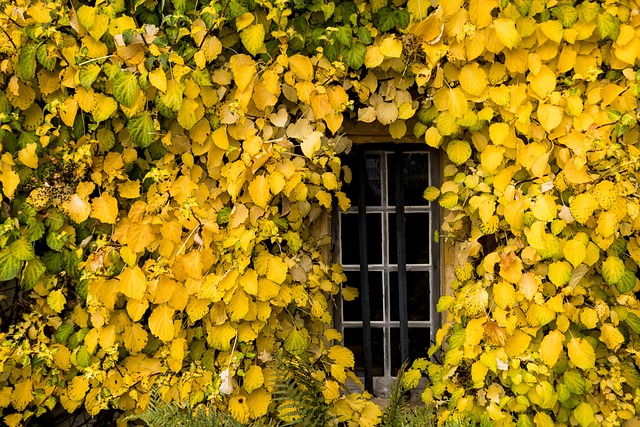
(353, 341)
(352, 310)
(418, 291)
(416, 178)
(351, 239)
(417, 238)
(372, 174)
(419, 343)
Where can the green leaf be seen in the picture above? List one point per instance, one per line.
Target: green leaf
(56, 241)
(365, 35)
(584, 414)
(125, 88)
(9, 265)
(35, 230)
(627, 282)
(608, 26)
(574, 381)
(354, 56)
(22, 250)
(253, 38)
(296, 342)
(42, 54)
(141, 129)
(25, 68)
(386, 20)
(83, 357)
(589, 11)
(31, 273)
(523, 6)
(633, 321)
(566, 14)
(63, 333)
(54, 261)
(344, 35)
(88, 74)
(403, 18)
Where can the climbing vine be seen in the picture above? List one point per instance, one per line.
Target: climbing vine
(166, 169)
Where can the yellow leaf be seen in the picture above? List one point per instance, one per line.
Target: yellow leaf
(342, 356)
(249, 282)
(76, 208)
(575, 252)
(517, 343)
(387, 113)
(136, 309)
(78, 388)
(552, 29)
(311, 143)
(551, 348)
(544, 208)
(276, 269)
(104, 107)
(253, 378)
(133, 282)
(611, 336)
(397, 129)
(607, 223)
(259, 401)
(220, 337)
(544, 82)
(506, 32)
(589, 317)
(301, 67)
(22, 394)
(56, 300)
(187, 116)
(244, 20)
(581, 353)
(28, 155)
(550, 116)
(478, 372)
(161, 322)
(491, 158)
(473, 79)
(105, 208)
(259, 191)
(373, 57)
(391, 47)
(158, 78)
(504, 294)
(134, 338)
(68, 111)
(13, 420)
(238, 306)
(253, 38)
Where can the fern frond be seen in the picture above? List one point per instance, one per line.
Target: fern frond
(298, 394)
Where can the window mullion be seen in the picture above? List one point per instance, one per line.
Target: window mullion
(364, 275)
(401, 253)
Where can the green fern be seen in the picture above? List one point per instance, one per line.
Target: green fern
(400, 412)
(160, 414)
(298, 394)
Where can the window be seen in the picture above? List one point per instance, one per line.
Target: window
(387, 250)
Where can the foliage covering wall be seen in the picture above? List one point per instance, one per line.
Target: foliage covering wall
(163, 163)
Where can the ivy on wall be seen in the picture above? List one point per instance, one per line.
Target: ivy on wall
(164, 166)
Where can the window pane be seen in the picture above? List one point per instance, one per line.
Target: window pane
(372, 174)
(419, 343)
(350, 239)
(353, 341)
(417, 238)
(418, 292)
(416, 178)
(352, 310)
